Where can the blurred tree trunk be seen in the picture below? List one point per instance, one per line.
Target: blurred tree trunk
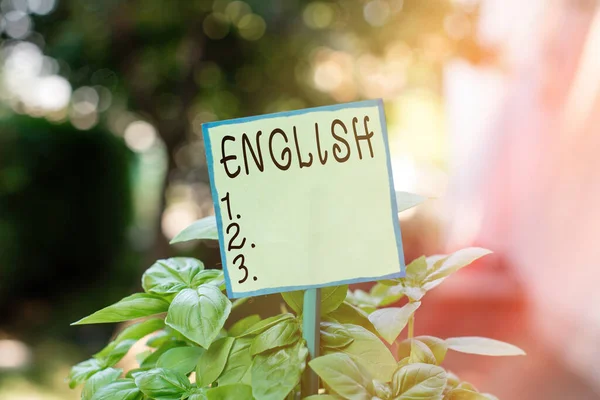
(173, 130)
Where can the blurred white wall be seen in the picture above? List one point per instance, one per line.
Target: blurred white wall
(525, 165)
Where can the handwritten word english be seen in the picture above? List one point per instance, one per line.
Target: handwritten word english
(284, 150)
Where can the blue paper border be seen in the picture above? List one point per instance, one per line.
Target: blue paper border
(217, 201)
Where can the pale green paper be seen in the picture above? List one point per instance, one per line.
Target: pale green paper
(311, 226)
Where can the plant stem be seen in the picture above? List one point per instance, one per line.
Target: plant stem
(411, 326)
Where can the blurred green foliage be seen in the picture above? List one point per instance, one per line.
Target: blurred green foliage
(181, 63)
(65, 204)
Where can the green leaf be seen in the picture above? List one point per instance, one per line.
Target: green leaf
(243, 324)
(117, 352)
(413, 292)
(379, 290)
(420, 353)
(180, 359)
(122, 389)
(403, 362)
(483, 346)
(467, 385)
(406, 200)
(131, 307)
(452, 380)
(159, 339)
(205, 228)
(416, 271)
(282, 334)
(162, 384)
(199, 314)
(390, 322)
(369, 351)
(238, 364)
(435, 261)
(82, 371)
(201, 395)
(132, 332)
(239, 302)
(343, 376)
(466, 394)
(385, 295)
(295, 300)
(133, 372)
(140, 329)
(208, 277)
(335, 336)
(419, 381)
(151, 360)
(363, 300)
(447, 266)
(323, 397)
(275, 374)
(236, 391)
(265, 324)
(348, 314)
(212, 362)
(98, 380)
(171, 275)
(117, 349)
(331, 298)
(382, 390)
(437, 346)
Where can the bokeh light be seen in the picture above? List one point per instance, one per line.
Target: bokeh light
(377, 12)
(140, 136)
(216, 26)
(251, 27)
(237, 10)
(104, 98)
(41, 7)
(7, 6)
(18, 24)
(457, 25)
(209, 75)
(29, 80)
(318, 15)
(328, 75)
(13, 354)
(53, 93)
(85, 100)
(83, 121)
(177, 217)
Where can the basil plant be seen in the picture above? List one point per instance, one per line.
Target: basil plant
(186, 353)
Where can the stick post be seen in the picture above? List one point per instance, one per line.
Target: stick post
(311, 330)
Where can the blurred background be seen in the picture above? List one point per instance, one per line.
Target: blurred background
(492, 107)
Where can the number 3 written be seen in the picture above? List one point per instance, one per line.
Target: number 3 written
(241, 267)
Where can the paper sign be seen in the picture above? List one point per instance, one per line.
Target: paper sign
(304, 199)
